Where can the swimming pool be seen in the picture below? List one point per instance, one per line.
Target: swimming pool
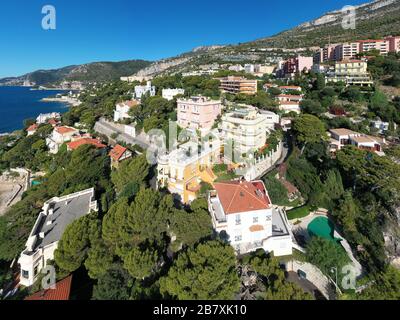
(322, 227)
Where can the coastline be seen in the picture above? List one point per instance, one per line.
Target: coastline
(34, 106)
(70, 101)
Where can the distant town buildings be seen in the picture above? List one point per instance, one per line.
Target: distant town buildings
(351, 72)
(72, 85)
(236, 68)
(170, 94)
(247, 128)
(342, 137)
(140, 91)
(350, 50)
(235, 85)
(198, 113)
(258, 69)
(136, 78)
(182, 170)
(56, 215)
(242, 212)
(122, 109)
(290, 67)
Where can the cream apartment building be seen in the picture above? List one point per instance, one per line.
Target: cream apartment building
(247, 128)
(351, 72)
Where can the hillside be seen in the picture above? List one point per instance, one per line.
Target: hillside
(97, 71)
(373, 20)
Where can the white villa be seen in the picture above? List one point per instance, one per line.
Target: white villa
(242, 213)
(290, 103)
(142, 90)
(248, 128)
(44, 117)
(43, 240)
(122, 109)
(170, 94)
(60, 136)
(342, 137)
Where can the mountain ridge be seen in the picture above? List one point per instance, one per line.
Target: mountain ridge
(374, 19)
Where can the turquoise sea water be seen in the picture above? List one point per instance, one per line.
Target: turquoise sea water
(20, 103)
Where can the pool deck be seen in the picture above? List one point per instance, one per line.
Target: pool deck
(301, 230)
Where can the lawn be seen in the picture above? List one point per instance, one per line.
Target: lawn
(298, 213)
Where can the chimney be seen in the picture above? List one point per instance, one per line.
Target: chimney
(51, 212)
(49, 223)
(41, 235)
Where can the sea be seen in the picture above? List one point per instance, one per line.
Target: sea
(20, 103)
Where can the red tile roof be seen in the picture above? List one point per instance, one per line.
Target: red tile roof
(63, 130)
(76, 144)
(53, 122)
(117, 152)
(131, 103)
(237, 197)
(33, 127)
(61, 292)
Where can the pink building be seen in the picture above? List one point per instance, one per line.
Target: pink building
(367, 45)
(394, 43)
(198, 113)
(296, 65)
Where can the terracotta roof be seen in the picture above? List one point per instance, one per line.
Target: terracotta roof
(63, 130)
(130, 103)
(76, 144)
(117, 152)
(61, 292)
(236, 196)
(52, 121)
(33, 127)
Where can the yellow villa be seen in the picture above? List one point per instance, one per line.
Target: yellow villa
(182, 170)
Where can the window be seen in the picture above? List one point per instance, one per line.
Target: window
(36, 271)
(269, 218)
(238, 238)
(25, 274)
(238, 220)
(255, 219)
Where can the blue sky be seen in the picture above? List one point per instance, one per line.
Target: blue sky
(105, 30)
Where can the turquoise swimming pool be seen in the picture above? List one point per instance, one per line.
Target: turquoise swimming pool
(322, 227)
